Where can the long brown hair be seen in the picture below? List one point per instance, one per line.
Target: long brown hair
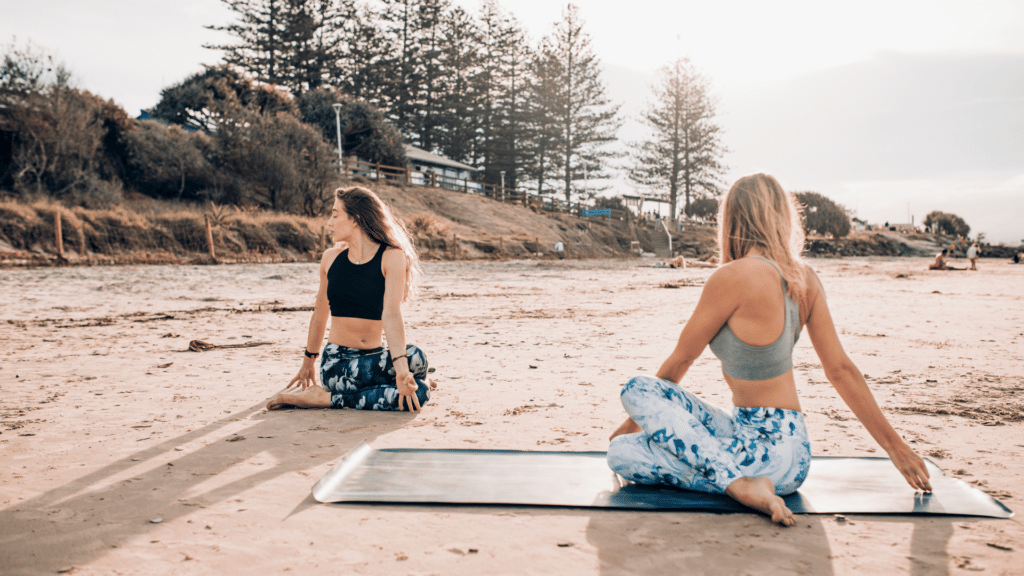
(757, 212)
(377, 220)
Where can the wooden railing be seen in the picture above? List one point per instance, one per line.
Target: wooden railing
(430, 179)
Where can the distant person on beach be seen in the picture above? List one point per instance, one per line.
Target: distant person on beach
(363, 284)
(940, 262)
(751, 312)
(972, 255)
(1018, 256)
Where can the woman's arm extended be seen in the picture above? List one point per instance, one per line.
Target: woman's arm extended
(393, 266)
(717, 302)
(317, 324)
(852, 388)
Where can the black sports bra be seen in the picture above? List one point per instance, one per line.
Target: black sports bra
(356, 290)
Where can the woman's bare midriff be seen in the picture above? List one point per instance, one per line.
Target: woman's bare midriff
(356, 333)
(778, 392)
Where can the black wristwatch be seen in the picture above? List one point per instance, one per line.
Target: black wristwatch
(310, 354)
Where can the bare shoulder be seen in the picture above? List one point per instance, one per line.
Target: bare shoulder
(393, 259)
(739, 274)
(330, 254)
(814, 287)
(729, 280)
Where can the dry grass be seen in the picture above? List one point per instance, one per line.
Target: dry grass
(426, 225)
(145, 230)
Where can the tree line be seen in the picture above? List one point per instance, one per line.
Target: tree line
(468, 86)
(58, 141)
(258, 128)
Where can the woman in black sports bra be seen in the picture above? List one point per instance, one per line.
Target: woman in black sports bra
(363, 283)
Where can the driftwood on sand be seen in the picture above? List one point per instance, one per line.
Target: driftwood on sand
(200, 346)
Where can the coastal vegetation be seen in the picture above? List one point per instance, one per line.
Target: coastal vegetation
(250, 144)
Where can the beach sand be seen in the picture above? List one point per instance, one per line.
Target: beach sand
(123, 453)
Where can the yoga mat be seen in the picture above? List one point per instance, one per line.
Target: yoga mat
(835, 485)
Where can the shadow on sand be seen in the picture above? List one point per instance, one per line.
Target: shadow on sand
(83, 519)
(735, 543)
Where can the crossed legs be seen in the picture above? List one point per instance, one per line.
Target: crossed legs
(688, 443)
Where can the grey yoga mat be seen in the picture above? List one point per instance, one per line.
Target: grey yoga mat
(442, 476)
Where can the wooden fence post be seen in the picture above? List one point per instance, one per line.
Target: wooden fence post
(80, 230)
(60, 235)
(209, 236)
(378, 171)
(455, 246)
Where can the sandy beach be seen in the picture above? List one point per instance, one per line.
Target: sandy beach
(124, 453)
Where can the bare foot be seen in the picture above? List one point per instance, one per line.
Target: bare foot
(627, 427)
(759, 494)
(312, 397)
(432, 384)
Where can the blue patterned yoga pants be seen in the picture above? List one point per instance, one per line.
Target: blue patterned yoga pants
(691, 444)
(365, 379)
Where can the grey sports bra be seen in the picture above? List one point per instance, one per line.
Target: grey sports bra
(741, 360)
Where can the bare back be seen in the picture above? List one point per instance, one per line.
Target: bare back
(759, 320)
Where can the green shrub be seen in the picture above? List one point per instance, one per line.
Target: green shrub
(706, 208)
(946, 223)
(822, 215)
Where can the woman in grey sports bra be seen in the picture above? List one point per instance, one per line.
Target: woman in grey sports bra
(750, 312)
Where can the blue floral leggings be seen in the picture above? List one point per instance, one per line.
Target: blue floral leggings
(691, 444)
(365, 379)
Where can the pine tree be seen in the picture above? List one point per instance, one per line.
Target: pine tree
(573, 101)
(503, 53)
(291, 43)
(429, 93)
(364, 64)
(455, 134)
(402, 78)
(542, 125)
(259, 30)
(313, 39)
(684, 150)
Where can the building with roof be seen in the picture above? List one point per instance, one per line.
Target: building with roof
(429, 169)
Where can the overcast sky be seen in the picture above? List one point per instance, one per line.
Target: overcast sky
(891, 107)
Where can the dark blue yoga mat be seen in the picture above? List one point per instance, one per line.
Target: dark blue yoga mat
(835, 485)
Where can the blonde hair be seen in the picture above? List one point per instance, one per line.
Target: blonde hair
(757, 212)
(377, 220)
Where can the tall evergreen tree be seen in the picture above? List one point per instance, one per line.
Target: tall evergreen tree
(313, 42)
(684, 150)
(455, 136)
(432, 70)
(290, 43)
(259, 31)
(400, 21)
(514, 128)
(545, 92)
(576, 103)
(364, 63)
(503, 53)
